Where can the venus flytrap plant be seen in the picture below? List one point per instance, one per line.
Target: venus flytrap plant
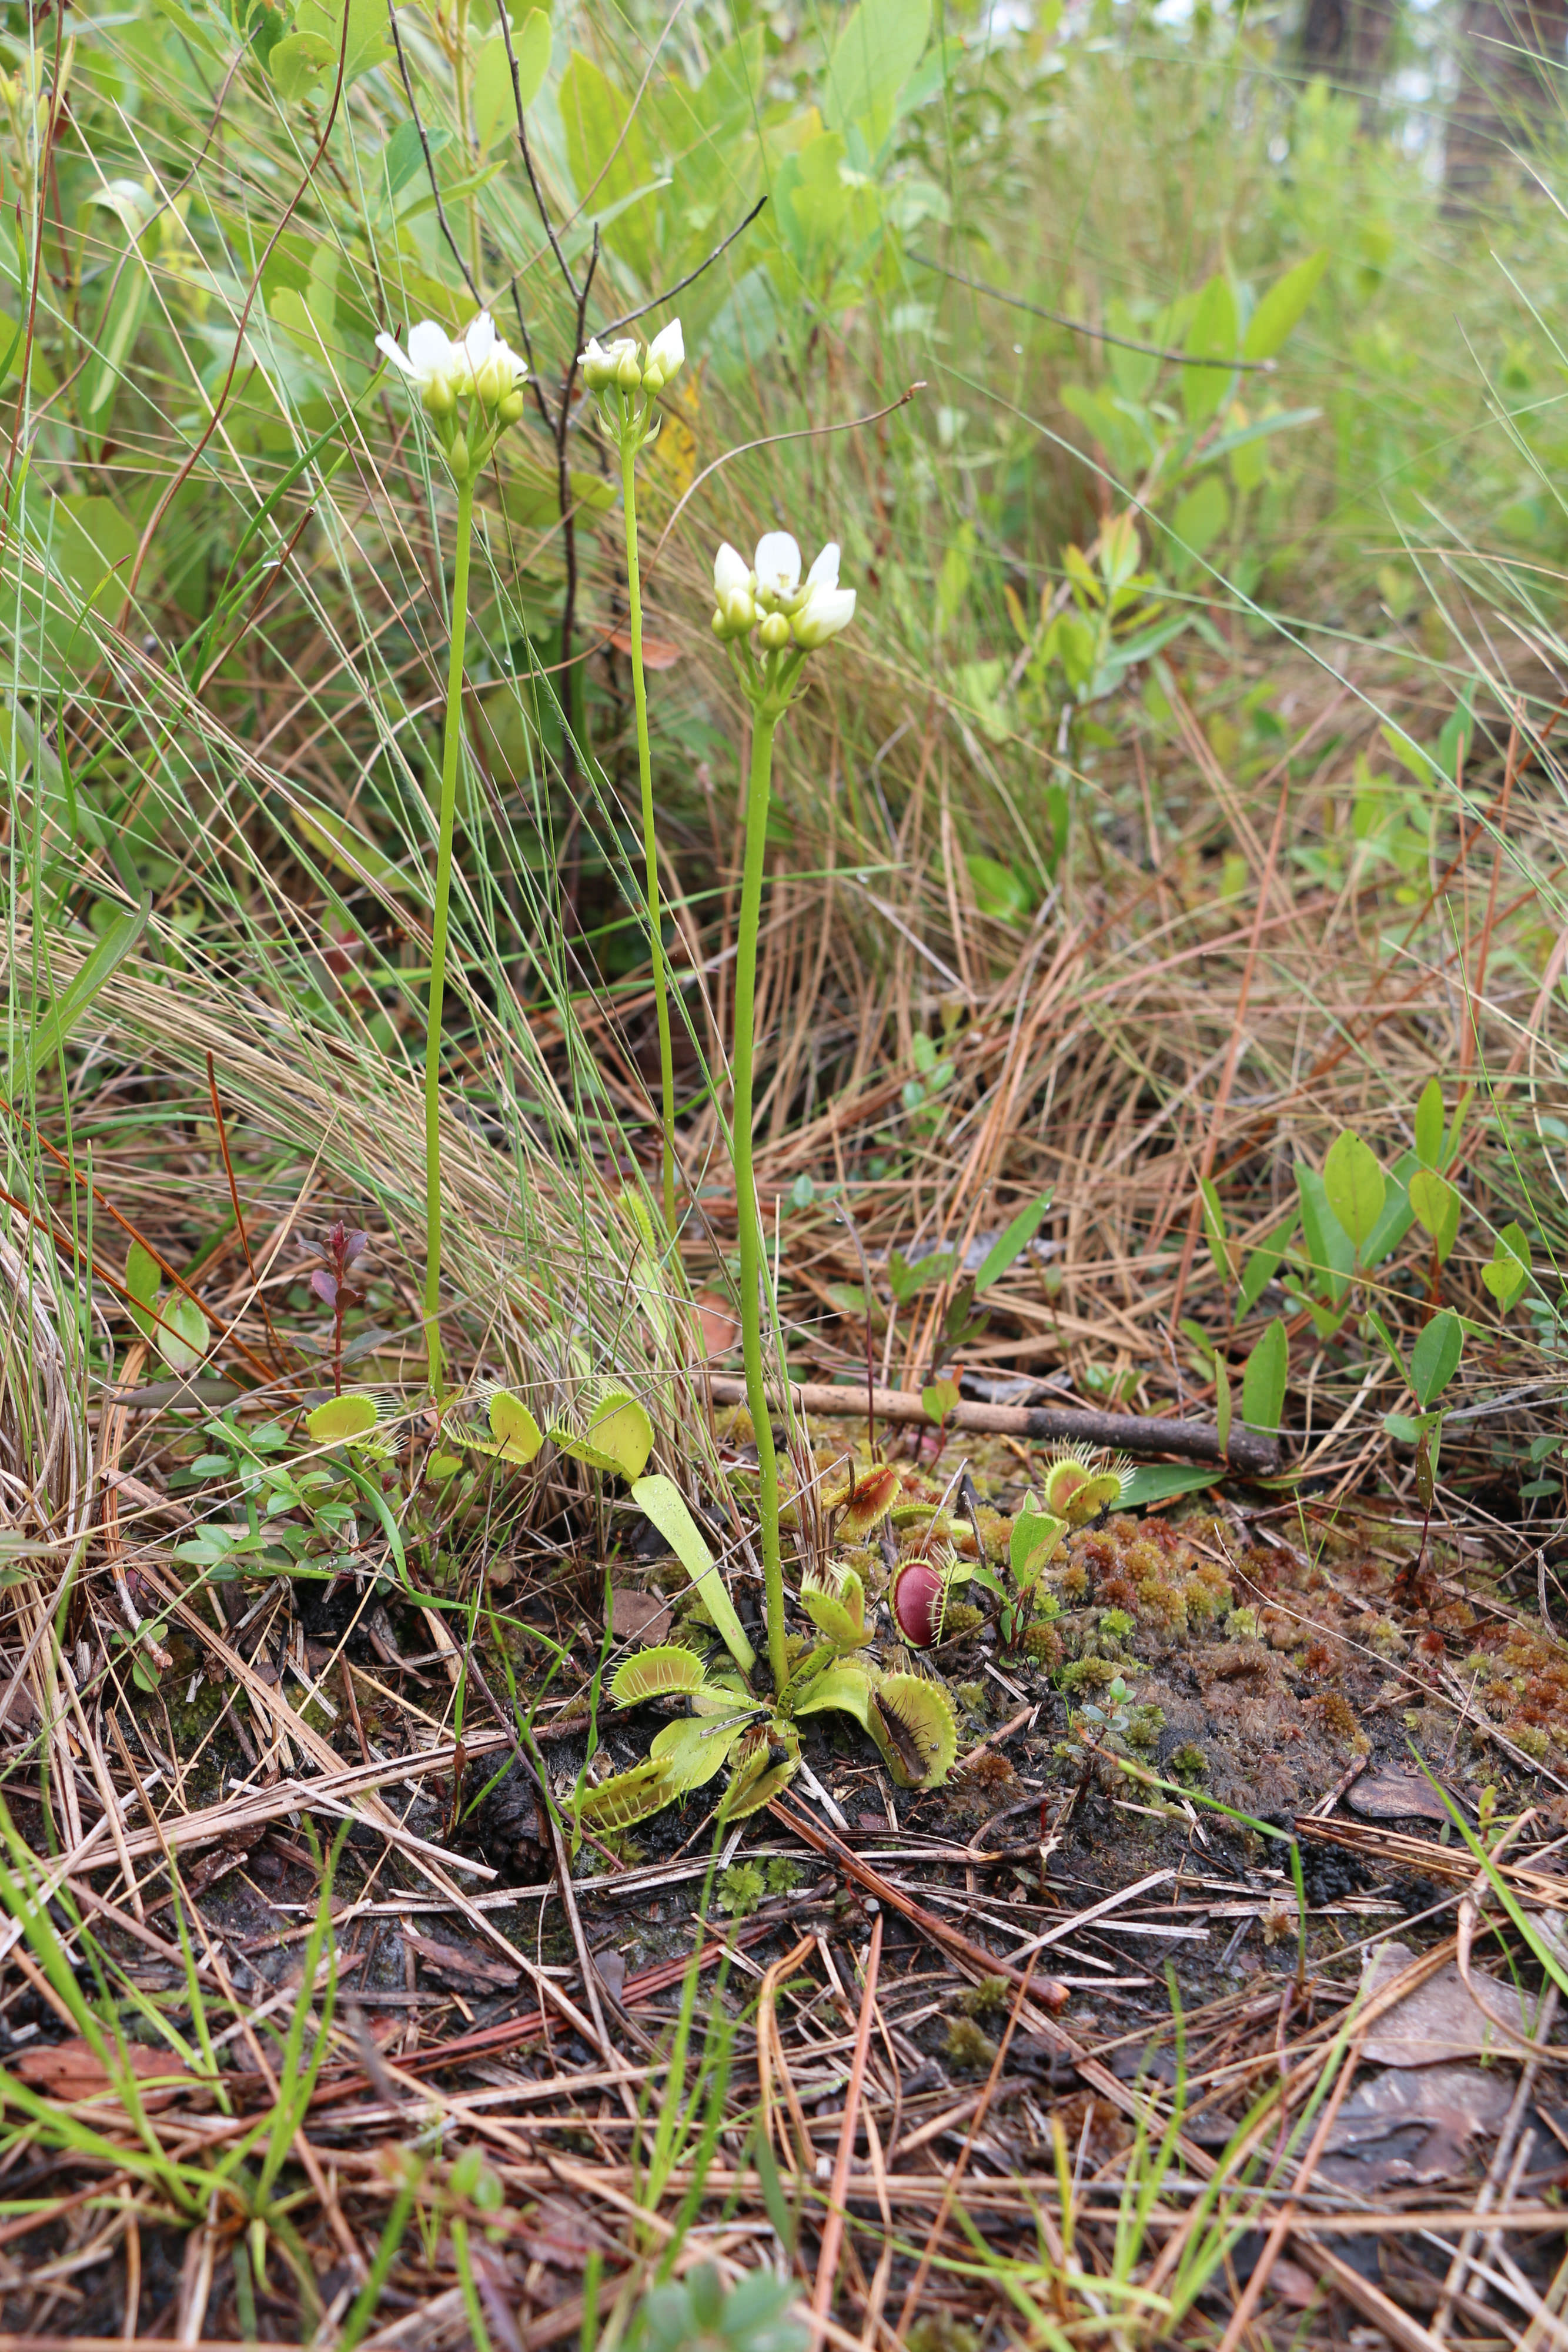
(471, 389)
(626, 386)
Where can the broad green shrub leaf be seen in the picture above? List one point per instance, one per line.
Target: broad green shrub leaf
(1356, 1185)
(1331, 1253)
(1281, 310)
(342, 1420)
(1263, 1380)
(1429, 1124)
(495, 108)
(881, 44)
(1436, 1204)
(627, 1798)
(670, 1671)
(913, 1722)
(1434, 1357)
(1508, 1272)
(144, 1279)
(299, 62)
(1011, 1243)
(1000, 891)
(1212, 334)
(1263, 1264)
(181, 1339)
(1200, 517)
(607, 153)
(662, 1501)
(693, 1751)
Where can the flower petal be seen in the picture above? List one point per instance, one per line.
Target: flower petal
(824, 572)
(777, 563)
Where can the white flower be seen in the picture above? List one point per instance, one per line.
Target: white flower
(777, 569)
(497, 371)
(602, 366)
(437, 365)
(666, 357)
(826, 608)
(734, 592)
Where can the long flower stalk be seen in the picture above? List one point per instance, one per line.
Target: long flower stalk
(451, 749)
(748, 1217)
(650, 835)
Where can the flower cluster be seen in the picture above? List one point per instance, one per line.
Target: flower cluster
(626, 382)
(770, 596)
(477, 366)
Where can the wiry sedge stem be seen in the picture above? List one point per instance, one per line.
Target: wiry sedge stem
(451, 746)
(749, 1222)
(629, 444)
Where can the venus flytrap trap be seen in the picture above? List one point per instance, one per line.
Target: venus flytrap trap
(470, 388)
(625, 384)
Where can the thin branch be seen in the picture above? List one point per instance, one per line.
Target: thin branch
(429, 158)
(527, 154)
(768, 440)
(1100, 334)
(691, 276)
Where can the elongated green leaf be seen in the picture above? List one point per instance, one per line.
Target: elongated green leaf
(1263, 1264)
(1263, 1380)
(1282, 308)
(494, 106)
(1214, 1227)
(1434, 1357)
(1436, 1204)
(36, 1050)
(661, 1500)
(1211, 335)
(694, 1750)
(1331, 1253)
(1011, 1243)
(1429, 1124)
(879, 47)
(1356, 1184)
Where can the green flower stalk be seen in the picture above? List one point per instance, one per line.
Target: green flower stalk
(626, 386)
(471, 389)
(790, 620)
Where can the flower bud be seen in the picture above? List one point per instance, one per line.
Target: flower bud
(510, 408)
(653, 381)
(775, 631)
(628, 367)
(457, 456)
(666, 356)
(439, 396)
(598, 366)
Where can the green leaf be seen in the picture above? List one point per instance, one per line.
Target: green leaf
(878, 48)
(1212, 334)
(1214, 1227)
(1434, 1357)
(670, 1671)
(938, 1399)
(1508, 1272)
(1222, 1399)
(1282, 308)
(913, 1722)
(1011, 1243)
(144, 1279)
(1156, 1482)
(342, 1420)
(299, 62)
(494, 106)
(1429, 1124)
(847, 1688)
(1264, 1378)
(1000, 891)
(181, 1339)
(514, 1431)
(1263, 1263)
(1035, 1537)
(621, 1428)
(43, 1040)
(693, 1751)
(1331, 1253)
(628, 1798)
(607, 150)
(662, 1502)
(1435, 1205)
(1356, 1185)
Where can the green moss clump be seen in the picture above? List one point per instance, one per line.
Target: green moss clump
(1144, 1725)
(1088, 1674)
(973, 1695)
(1242, 1625)
(1042, 1643)
(782, 1875)
(940, 2333)
(1190, 1762)
(740, 1890)
(990, 1997)
(960, 1618)
(967, 2047)
(1115, 1625)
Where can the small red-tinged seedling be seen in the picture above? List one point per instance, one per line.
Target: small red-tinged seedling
(341, 1246)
